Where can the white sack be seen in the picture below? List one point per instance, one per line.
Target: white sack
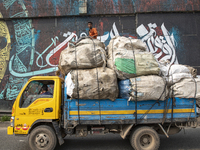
(174, 73)
(97, 83)
(148, 88)
(177, 77)
(69, 84)
(86, 54)
(168, 70)
(186, 88)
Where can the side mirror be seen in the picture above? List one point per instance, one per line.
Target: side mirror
(4, 94)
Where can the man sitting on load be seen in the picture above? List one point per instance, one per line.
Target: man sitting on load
(92, 31)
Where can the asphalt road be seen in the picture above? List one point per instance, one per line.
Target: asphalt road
(180, 141)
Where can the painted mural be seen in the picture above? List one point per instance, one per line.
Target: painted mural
(4, 47)
(42, 8)
(30, 47)
(159, 42)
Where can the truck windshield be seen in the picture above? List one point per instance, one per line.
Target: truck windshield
(35, 90)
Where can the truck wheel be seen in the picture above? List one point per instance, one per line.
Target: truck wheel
(42, 138)
(145, 138)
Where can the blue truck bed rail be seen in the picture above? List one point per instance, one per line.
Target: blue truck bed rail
(121, 111)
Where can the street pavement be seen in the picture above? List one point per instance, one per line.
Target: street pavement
(180, 141)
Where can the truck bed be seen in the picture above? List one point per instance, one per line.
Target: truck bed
(121, 111)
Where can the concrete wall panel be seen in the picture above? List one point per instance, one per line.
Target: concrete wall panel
(166, 5)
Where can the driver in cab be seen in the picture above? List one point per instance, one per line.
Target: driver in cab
(45, 90)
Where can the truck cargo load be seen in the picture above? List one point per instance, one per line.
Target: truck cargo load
(86, 54)
(186, 88)
(129, 59)
(97, 83)
(143, 88)
(176, 72)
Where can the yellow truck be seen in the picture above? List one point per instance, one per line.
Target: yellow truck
(48, 118)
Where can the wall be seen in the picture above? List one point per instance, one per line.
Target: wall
(42, 8)
(30, 42)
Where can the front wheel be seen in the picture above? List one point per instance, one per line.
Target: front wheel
(145, 138)
(42, 138)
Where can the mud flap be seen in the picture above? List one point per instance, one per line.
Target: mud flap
(58, 133)
(125, 130)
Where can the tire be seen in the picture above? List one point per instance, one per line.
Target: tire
(144, 138)
(42, 138)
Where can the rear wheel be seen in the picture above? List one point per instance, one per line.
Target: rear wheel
(42, 138)
(145, 138)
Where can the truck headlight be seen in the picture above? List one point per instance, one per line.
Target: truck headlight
(12, 119)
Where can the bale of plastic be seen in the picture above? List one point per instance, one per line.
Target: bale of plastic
(174, 78)
(146, 64)
(129, 59)
(175, 73)
(97, 83)
(141, 88)
(186, 88)
(86, 54)
(167, 69)
(121, 42)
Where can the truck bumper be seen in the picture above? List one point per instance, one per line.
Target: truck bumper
(10, 130)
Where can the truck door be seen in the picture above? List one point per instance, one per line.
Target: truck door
(36, 102)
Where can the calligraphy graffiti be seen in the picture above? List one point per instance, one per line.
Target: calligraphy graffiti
(159, 41)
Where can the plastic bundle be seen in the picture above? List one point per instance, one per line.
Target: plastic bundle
(175, 73)
(86, 54)
(186, 88)
(143, 88)
(94, 83)
(129, 59)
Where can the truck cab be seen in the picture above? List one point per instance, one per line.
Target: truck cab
(33, 108)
